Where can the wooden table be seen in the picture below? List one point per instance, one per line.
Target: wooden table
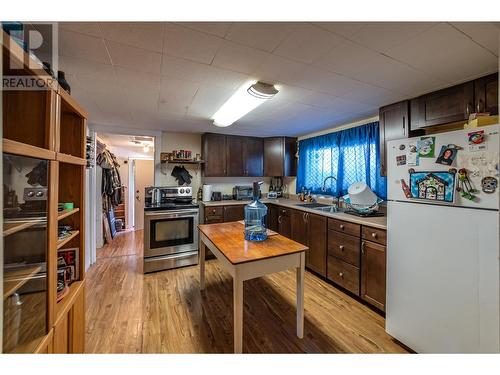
(246, 260)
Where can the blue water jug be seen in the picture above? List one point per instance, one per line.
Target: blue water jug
(255, 213)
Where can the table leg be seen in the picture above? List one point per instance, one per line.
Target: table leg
(238, 314)
(300, 297)
(201, 261)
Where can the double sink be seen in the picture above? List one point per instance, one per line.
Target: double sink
(321, 207)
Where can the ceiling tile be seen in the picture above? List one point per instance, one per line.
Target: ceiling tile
(483, 33)
(261, 35)
(346, 29)
(307, 43)
(82, 46)
(460, 60)
(381, 36)
(215, 28)
(87, 28)
(131, 79)
(176, 94)
(276, 69)
(239, 58)
(86, 69)
(134, 58)
(145, 35)
(208, 99)
(347, 58)
(183, 42)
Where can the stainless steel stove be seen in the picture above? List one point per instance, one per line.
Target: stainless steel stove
(170, 228)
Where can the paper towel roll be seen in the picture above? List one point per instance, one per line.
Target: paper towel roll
(207, 193)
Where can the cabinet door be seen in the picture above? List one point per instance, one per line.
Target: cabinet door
(273, 157)
(235, 160)
(393, 124)
(316, 255)
(254, 157)
(234, 213)
(61, 336)
(284, 222)
(289, 159)
(76, 325)
(299, 228)
(445, 106)
(272, 217)
(213, 150)
(486, 94)
(373, 270)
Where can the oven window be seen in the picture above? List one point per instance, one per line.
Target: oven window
(171, 232)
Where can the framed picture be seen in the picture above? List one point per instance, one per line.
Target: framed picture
(433, 186)
(71, 262)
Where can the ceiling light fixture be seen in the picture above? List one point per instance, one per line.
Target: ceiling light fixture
(245, 99)
(146, 148)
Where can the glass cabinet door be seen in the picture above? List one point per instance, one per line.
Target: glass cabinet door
(25, 207)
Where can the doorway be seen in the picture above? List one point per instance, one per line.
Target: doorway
(143, 172)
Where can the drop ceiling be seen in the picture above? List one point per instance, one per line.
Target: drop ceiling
(174, 76)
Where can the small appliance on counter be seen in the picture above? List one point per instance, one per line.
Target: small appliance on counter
(276, 186)
(272, 195)
(242, 193)
(216, 196)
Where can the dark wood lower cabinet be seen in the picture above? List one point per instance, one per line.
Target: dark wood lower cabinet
(299, 228)
(344, 274)
(284, 222)
(373, 272)
(234, 213)
(317, 237)
(272, 217)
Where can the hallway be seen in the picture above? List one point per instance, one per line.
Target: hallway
(164, 312)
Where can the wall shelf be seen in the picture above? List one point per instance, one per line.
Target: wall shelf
(70, 159)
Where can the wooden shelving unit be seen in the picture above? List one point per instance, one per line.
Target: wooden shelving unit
(49, 125)
(13, 280)
(65, 240)
(65, 213)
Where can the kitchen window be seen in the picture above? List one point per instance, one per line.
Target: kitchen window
(350, 155)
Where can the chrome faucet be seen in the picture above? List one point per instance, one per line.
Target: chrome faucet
(335, 201)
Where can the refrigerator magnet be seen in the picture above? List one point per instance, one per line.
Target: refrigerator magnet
(489, 184)
(401, 160)
(434, 186)
(412, 153)
(426, 147)
(447, 154)
(476, 141)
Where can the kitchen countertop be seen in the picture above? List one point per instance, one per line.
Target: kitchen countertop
(375, 222)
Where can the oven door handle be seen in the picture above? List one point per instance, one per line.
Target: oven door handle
(172, 214)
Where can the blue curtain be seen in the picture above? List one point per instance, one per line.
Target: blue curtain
(350, 155)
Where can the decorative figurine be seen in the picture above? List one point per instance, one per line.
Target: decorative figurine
(489, 184)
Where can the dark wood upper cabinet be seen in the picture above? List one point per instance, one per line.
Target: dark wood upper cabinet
(235, 158)
(253, 150)
(373, 273)
(279, 156)
(213, 148)
(444, 106)
(317, 238)
(486, 94)
(393, 124)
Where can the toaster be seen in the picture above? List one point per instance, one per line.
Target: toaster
(242, 193)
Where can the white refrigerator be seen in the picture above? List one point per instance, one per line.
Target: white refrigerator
(443, 285)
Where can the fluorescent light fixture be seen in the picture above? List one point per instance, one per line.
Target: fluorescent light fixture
(245, 99)
(146, 148)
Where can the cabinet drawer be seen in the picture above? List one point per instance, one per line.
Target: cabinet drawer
(344, 247)
(343, 274)
(374, 235)
(214, 213)
(344, 227)
(284, 211)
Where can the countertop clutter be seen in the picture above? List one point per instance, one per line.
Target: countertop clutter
(375, 222)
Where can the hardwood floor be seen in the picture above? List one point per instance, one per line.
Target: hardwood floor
(165, 312)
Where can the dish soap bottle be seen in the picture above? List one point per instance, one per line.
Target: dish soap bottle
(255, 213)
